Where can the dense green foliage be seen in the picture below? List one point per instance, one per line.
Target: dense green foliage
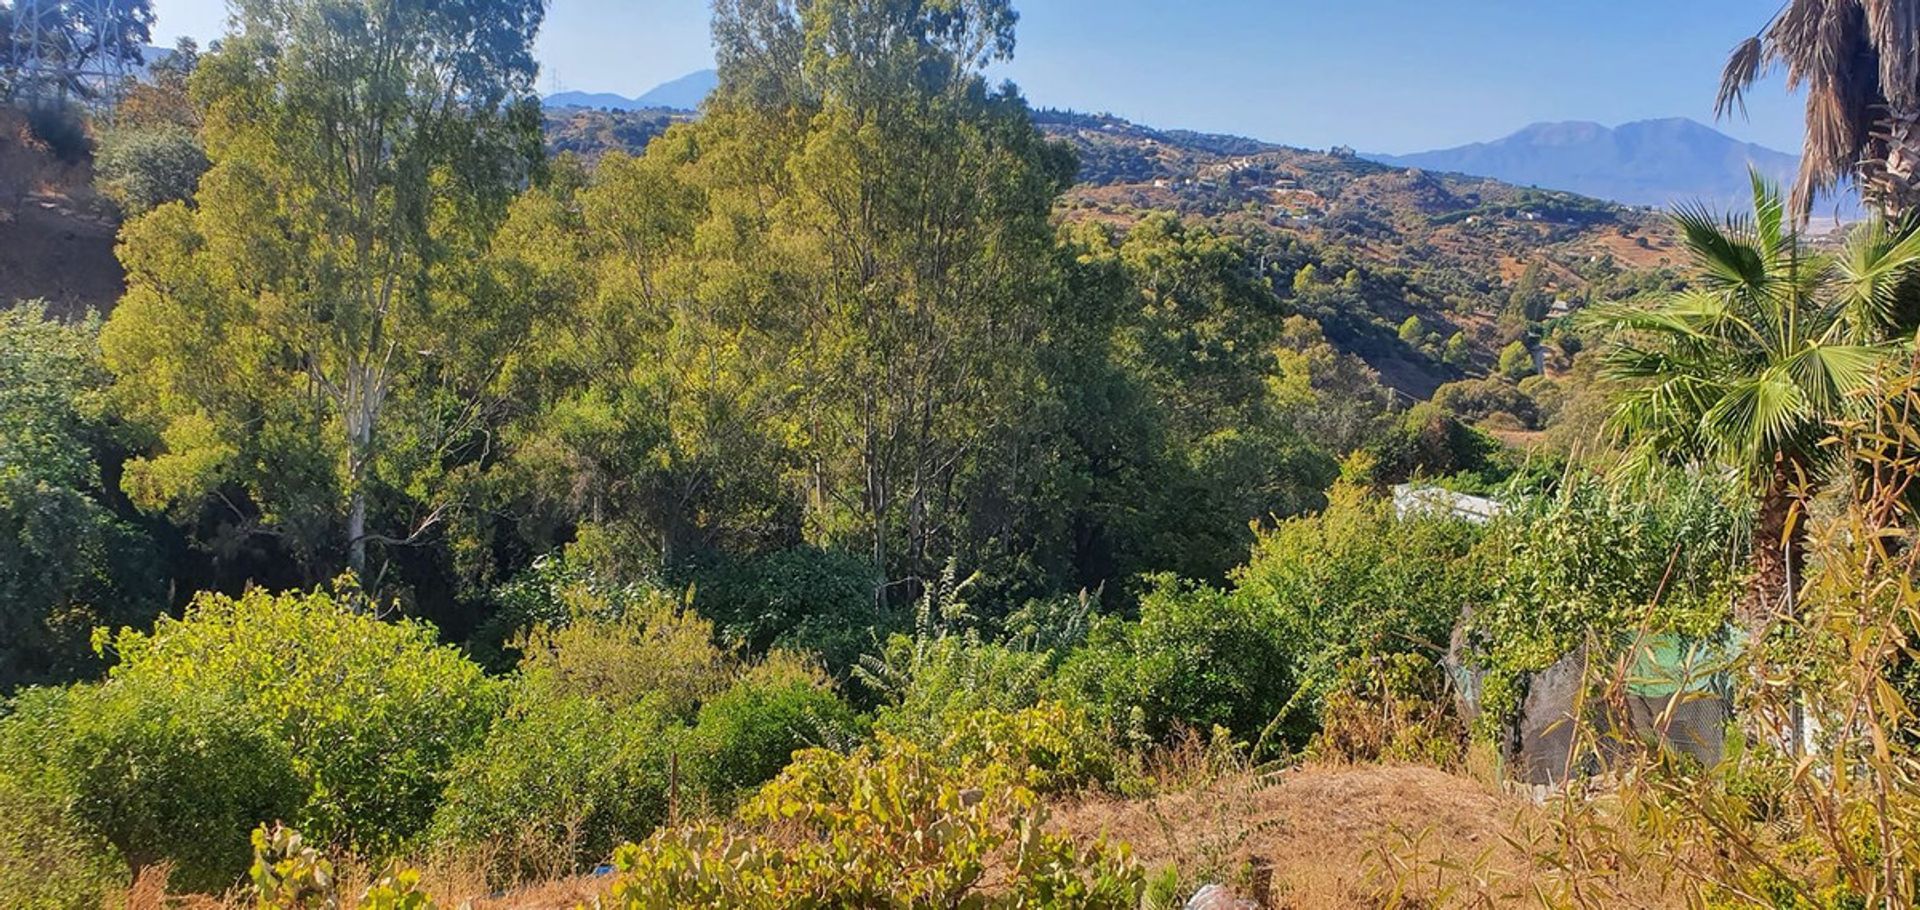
(888, 825)
(619, 718)
(69, 560)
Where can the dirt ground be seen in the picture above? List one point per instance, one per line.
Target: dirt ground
(51, 251)
(56, 234)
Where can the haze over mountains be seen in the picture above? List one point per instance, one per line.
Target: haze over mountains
(1647, 162)
(682, 94)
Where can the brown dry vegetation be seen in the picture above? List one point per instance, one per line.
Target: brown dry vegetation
(1363, 836)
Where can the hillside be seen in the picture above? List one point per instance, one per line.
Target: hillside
(1448, 248)
(590, 132)
(1647, 162)
(56, 235)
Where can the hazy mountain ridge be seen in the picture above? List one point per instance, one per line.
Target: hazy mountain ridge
(1647, 162)
(682, 94)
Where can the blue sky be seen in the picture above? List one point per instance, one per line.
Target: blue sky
(1379, 75)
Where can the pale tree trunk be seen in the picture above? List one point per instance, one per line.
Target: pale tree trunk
(363, 397)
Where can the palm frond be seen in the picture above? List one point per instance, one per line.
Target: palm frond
(1877, 262)
(1755, 415)
(1769, 214)
(1831, 377)
(1743, 69)
(1721, 248)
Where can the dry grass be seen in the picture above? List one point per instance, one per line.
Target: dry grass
(1348, 836)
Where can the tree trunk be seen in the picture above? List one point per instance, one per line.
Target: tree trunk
(1895, 181)
(357, 531)
(1778, 553)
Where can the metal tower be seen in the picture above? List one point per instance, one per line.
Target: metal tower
(62, 49)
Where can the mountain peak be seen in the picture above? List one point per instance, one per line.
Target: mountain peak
(1645, 162)
(682, 94)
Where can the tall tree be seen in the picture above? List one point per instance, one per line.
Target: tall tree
(321, 325)
(1748, 367)
(1859, 61)
(910, 237)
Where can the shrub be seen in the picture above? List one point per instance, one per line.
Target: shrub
(1053, 747)
(1391, 707)
(1426, 441)
(560, 780)
(175, 776)
(554, 592)
(143, 169)
(1357, 580)
(654, 649)
(1480, 399)
(1198, 657)
(747, 733)
(288, 874)
(889, 825)
(48, 861)
(802, 599)
(590, 750)
(372, 711)
(1516, 361)
(67, 562)
(1596, 558)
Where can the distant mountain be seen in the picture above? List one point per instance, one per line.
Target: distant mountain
(1648, 162)
(682, 94)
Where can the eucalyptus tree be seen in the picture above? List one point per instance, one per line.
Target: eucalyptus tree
(322, 324)
(902, 208)
(1747, 368)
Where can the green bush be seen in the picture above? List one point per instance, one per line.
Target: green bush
(558, 783)
(67, 561)
(1054, 747)
(144, 168)
(1357, 580)
(889, 826)
(372, 711)
(176, 776)
(932, 683)
(746, 734)
(555, 591)
(1595, 557)
(1427, 441)
(595, 746)
(654, 650)
(946, 671)
(1198, 657)
(48, 861)
(802, 599)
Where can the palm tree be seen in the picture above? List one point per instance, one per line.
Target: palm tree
(1748, 367)
(1859, 61)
